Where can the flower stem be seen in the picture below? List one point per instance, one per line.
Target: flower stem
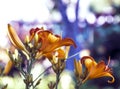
(78, 84)
(57, 80)
(27, 87)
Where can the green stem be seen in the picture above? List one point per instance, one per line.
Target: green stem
(30, 62)
(29, 65)
(21, 71)
(78, 84)
(27, 87)
(57, 79)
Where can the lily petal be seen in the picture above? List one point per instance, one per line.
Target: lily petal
(58, 54)
(15, 40)
(88, 62)
(104, 74)
(8, 67)
(64, 42)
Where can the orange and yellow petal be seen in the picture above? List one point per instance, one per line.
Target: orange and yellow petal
(15, 40)
(8, 67)
(88, 62)
(64, 42)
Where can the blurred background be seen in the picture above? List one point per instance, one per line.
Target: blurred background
(94, 25)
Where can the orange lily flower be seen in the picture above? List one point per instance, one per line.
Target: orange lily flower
(49, 41)
(45, 41)
(59, 54)
(57, 58)
(15, 40)
(94, 69)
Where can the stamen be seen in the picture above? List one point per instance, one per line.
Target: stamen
(107, 63)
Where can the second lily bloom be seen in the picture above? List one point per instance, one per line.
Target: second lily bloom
(92, 69)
